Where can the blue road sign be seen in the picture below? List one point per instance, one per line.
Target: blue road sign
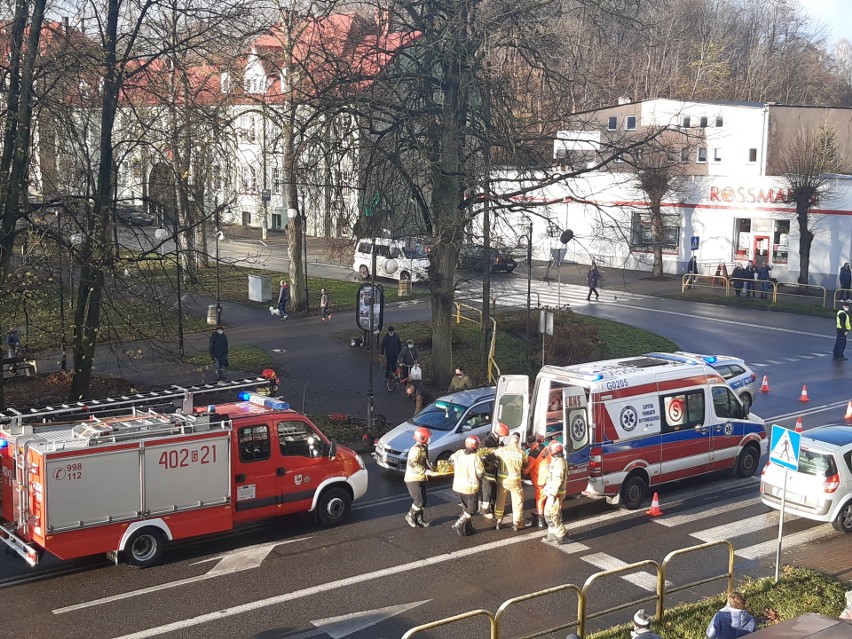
(695, 239)
(784, 447)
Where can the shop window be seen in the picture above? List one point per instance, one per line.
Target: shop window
(742, 239)
(752, 155)
(642, 232)
(781, 242)
(612, 123)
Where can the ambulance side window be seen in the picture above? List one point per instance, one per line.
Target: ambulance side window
(298, 440)
(682, 411)
(725, 403)
(254, 443)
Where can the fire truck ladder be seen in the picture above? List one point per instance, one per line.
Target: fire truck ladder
(15, 419)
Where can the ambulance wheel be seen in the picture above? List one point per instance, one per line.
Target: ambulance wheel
(633, 492)
(333, 506)
(747, 462)
(145, 547)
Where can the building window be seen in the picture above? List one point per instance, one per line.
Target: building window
(642, 233)
(703, 121)
(630, 123)
(684, 154)
(752, 155)
(781, 241)
(702, 154)
(719, 121)
(687, 122)
(276, 180)
(249, 179)
(717, 155)
(612, 123)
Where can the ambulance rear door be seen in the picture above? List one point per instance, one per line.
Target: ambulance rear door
(511, 405)
(575, 438)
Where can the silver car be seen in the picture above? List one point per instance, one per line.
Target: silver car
(451, 419)
(821, 488)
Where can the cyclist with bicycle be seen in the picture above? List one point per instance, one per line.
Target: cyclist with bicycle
(390, 348)
(408, 357)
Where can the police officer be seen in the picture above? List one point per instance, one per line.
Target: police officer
(536, 469)
(415, 477)
(489, 480)
(511, 459)
(467, 474)
(843, 327)
(554, 489)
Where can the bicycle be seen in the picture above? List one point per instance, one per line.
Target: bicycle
(396, 379)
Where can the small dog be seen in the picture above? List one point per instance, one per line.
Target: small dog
(274, 311)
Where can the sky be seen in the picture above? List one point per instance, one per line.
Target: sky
(833, 14)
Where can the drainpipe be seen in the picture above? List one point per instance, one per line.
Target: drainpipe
(764, 136)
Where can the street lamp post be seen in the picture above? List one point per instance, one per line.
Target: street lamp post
(219, 237)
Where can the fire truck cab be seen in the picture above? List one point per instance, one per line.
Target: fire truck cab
(129, 483)
(629, 424)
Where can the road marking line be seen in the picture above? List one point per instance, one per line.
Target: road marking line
(772, 361)
(570, 548)
(806, 356)
(738, 528)
(792, 359)
(700, 512)
(645, 580)
(820, 354)
(809, 411)
(796, 539)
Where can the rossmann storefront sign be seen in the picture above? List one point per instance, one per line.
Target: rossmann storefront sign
(751, 195)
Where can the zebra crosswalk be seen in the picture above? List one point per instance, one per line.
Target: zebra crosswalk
(513, 292)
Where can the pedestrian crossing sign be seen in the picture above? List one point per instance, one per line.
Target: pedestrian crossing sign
(784, 447)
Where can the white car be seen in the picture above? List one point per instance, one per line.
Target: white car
(821, 488)
(395, 259)
(732, 369)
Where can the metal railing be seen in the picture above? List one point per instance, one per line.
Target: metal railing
(746, 286)
(841, 295)
(659, 596)
(492, 347)
(697, 280)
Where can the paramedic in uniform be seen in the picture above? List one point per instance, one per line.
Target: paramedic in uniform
(536, 469)
(511, 459)
(554, 490)
(415, 477)
(467, 473)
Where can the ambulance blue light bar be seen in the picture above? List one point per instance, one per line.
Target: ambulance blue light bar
(3, 444)
(671, 357)
(260, 400)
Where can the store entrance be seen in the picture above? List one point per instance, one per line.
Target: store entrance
(760, 252)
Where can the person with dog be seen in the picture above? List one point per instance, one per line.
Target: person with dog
(283, 299)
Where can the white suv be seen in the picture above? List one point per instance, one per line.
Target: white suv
(395, 260)
(821, 488)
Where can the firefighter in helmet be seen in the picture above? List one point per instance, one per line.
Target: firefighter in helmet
(467, 474)
(487, 488)
(511, 458)
(554, 489)
(415, 477)
(536, 470)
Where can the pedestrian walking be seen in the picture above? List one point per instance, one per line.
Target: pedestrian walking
(593, 277)
(390, 348)
(460, 381)
(732, 620)
(554, 490)
(219, 350)
(283, 299)
(324, 305)
(488, 486)
(13, 342)
(415, 477)
(692, 271)
(750, 274)
(408, 357)
(763, 277)
(846, 279)
(642, 626)
(511, 458)
(415, 389)
(467, 475)
(536, 469)
(844, 325)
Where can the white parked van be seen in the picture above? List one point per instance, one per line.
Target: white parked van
(395, 259)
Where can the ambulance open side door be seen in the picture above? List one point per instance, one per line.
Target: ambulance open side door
(512, 404)
(576, 438)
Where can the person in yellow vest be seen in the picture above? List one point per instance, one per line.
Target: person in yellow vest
(554, 488)
(843, 327)
(511, 459)
(415, 477)
(467, 473)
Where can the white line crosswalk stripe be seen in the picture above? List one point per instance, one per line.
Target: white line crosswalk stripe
(738, 528)
(765, 548)
(601, 560)
(700, 512)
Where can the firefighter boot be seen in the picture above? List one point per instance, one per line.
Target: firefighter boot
(468, 526)
(461, 525)
(520, 525)
(499, 522)
(418, 519)
(540, 522)
(411, 517)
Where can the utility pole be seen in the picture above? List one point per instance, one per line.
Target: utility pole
(529, 279)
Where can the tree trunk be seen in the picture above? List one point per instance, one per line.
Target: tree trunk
(657, 231)
(806, 238)
(295, 227)
(444, 258)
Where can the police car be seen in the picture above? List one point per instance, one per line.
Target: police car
(734, 371)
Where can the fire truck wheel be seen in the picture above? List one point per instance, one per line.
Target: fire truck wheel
(633, 491)
(747, 462)
(145, 547)
(333, 506)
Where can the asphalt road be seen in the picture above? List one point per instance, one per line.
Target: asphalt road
(375, 577)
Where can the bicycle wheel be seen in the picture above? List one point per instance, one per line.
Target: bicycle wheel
(392, 382)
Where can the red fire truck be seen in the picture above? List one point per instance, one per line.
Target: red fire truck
(126, 476)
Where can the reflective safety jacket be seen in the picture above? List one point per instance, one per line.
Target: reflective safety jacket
(843, 323)
(536, 457)
(467, 472)
(557, 473)
(418, 463)
(511, 459)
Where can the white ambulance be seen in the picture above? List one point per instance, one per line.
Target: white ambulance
(633, 423)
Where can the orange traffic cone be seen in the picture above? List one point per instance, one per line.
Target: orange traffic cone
(764, 387)
(798, 428)
(804, 397)
(849, 412)
(655, 511)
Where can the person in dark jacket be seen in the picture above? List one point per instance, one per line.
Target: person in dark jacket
(283, 299)
(390, 348)
(846, 278)
(692, 271)
(421, 396)
(763, 278)
(749, 275)
(593, 277)
(219, 350)
(737, 276)
(408, 357)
